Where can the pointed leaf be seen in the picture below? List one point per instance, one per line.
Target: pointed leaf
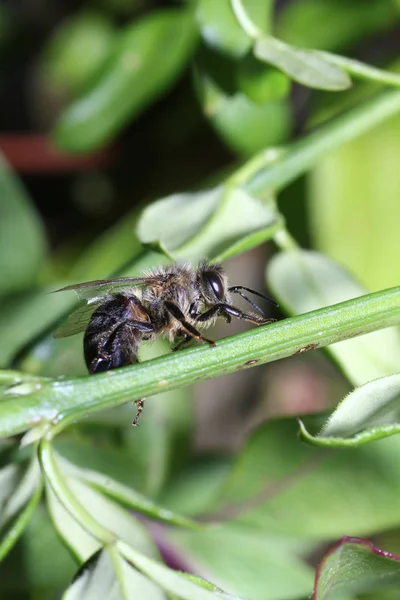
(333, 492)
(354, 566)
(107, 575)
(210, 223)
(369, 413)
(251, 563)
(305, 66)
(304, 281)
(125, 495)
(245, 126)
(146, 58)
(104, 511)
(185, 586)
(20, 492)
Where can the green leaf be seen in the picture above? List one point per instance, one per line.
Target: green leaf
(146, 59)
(213, 223)
(334, 492)
(39, 566)
(20, 492)
(104, 511)
(354, 566)
(244, 125)
(125, 495)
(22, 239)
(187, 587)
(260, 82)
(370, 412)
(304, 66)
(251, 563)
(76, 49)
(304, 281)
(90, 453)
(107, 575)
(17, 486)
(193, 490)
(74, 536)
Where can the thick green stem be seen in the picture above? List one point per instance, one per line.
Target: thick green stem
(60, 402)
(304, 154)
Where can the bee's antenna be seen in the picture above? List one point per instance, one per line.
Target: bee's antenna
(236, 290)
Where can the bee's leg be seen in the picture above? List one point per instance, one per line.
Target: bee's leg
(228, 311)
(139, 409)
(189, 329)
(100, 364)
(186, 339)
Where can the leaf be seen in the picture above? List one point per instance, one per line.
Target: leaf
(354, 566)
(20, 492)
(369, 413)
(303, 281)
(104, 511)
(76, 49)
(39, 566)
(90, 454)
(107, 575)
(193, 489)
(74, 536)
(16, 487)
(251, 563)
(185, 586)
(22, 239)
(211, 223)
(146, 59)
(304, 66)
(125, 495)
(245, 126)
(334, 492)
(260, 82)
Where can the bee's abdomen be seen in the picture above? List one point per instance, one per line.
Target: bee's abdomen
(110, 341)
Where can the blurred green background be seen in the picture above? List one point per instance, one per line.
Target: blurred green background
(107, 105)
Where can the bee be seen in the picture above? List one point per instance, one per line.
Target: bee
(174, 301)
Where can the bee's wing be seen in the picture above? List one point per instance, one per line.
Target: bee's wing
(91, 291)
(77, 321)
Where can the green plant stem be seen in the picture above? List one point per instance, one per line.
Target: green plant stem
(243, 19)
(61, 402)
(67, 498)
(362, 70)
(304, 154)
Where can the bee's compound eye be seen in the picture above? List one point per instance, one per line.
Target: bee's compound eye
(216, 284)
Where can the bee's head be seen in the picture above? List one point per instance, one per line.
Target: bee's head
(212, 283)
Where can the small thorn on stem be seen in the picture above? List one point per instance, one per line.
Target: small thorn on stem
(139, 408)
